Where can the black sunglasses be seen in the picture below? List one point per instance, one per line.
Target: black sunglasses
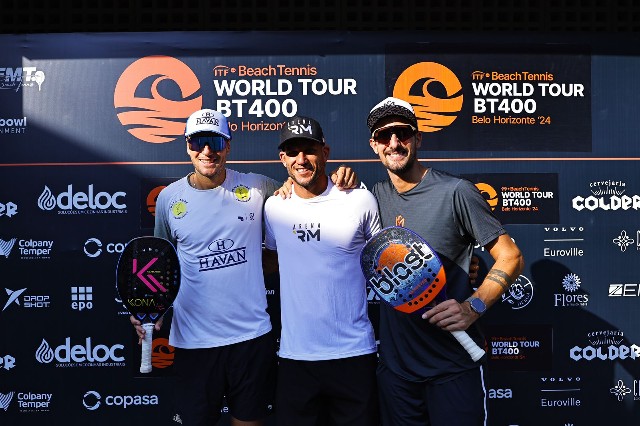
(402, 133)
(198, 142)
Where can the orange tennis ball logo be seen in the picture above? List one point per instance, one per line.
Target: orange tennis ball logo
(433, 112)
(150, 116)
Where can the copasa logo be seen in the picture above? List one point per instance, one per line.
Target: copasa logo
(154, 118)
(433, 113)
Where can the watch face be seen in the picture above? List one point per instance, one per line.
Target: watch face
(478, 305)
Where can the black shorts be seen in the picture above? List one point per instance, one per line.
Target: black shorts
(243, 372)
(334, 392)
(457, 400)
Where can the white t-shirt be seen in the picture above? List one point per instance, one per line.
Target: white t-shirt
(218, 236)
(322, 288)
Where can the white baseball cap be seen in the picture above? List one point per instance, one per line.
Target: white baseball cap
(207, 120)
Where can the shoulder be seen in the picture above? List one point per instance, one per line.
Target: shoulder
(174, 187)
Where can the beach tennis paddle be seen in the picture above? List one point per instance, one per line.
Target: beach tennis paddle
(407, 274)
(148, 280)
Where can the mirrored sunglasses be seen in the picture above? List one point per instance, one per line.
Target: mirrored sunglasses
(198, 142)
(402, 133)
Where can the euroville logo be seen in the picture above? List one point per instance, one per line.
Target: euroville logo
(433, 113)
(144, 110)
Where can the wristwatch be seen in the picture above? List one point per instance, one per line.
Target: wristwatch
(477, 305)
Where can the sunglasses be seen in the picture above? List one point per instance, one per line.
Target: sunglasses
(402, 133)
(198, 142)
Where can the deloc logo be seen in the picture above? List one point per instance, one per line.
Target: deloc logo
(519, 294)
(604, 346)
(144, 110)
(434, 113)
(624, 290)
(620, 390)
(223, 255)
(7, 362)
(92, 400)
(162, 353)
(560, 391)
(86, 355)
(13, 125)
(81, 298)
(5, 400)
(563, 241)
(93, 247)
(624, 240)
(571, 284)
(16, 78)
(78, 202)
(608, 196)
(306, 232)
(8, 209)
(28, 301)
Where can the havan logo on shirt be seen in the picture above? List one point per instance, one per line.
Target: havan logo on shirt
(223, 255)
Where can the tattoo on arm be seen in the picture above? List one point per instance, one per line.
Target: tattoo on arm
(500, 277)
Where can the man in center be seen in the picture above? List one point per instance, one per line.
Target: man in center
(327, 346)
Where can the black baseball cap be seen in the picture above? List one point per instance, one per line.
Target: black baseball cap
(299, 127)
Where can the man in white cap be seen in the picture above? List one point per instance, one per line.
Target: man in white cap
(424, 374)
(220, 328)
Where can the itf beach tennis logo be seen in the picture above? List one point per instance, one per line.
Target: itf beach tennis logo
(148, 105)
(433, 112)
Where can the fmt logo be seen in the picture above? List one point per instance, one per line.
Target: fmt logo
(8, 209)
(15, 78)
(433, 113)
(143, 110)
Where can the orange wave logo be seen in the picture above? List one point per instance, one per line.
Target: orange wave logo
(162, 353)
(152, 198)
(489, 193)
(151, 117)
(433, 113)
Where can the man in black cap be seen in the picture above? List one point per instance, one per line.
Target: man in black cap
(424, 374)
(327, 345)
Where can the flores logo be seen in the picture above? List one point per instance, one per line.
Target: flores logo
(92, 400)
(145, 112)
(433, 113)
(82, 202)
(571, 284)
(81, 356)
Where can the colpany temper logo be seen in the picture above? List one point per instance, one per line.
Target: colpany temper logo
(156, 119)
(433, 113)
